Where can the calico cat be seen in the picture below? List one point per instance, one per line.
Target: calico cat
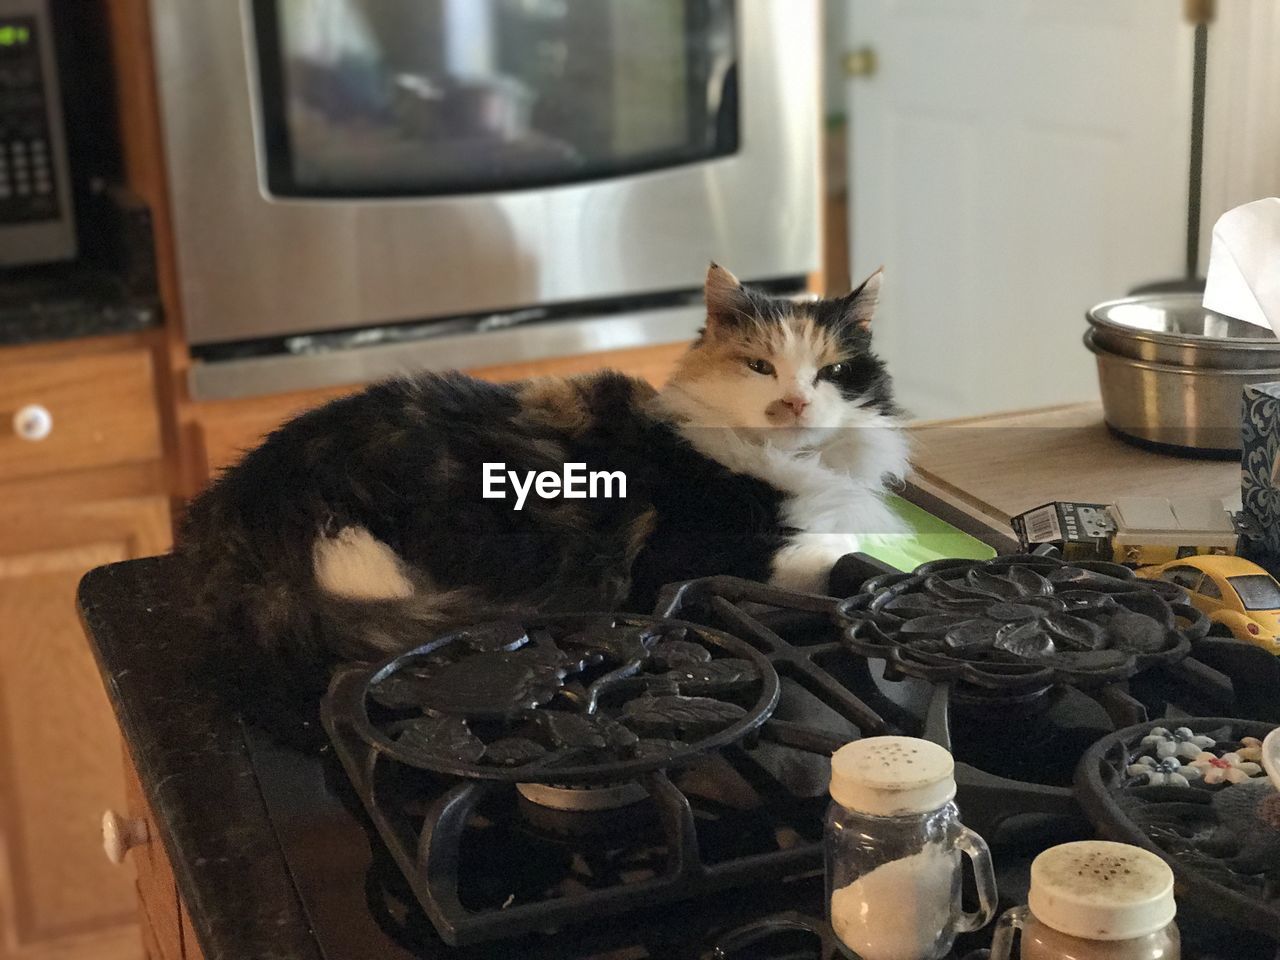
(359, 528)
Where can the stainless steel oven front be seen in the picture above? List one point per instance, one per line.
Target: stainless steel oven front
(341, 166)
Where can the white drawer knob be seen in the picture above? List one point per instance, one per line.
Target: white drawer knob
(119, 835)
(33, 422)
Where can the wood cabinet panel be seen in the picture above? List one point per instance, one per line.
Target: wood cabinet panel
(158, 905)
(223, 431)
(103, 412)
(59, 743)
(190, 945)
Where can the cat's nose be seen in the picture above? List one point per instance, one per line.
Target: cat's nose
(796, 403)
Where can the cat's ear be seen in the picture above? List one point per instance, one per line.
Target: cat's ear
(726, 305)
(860, 306)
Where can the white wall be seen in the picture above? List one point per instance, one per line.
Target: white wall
(1015, 161)
(1242, 110)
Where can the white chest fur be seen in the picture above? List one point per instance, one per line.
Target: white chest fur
(835, 490)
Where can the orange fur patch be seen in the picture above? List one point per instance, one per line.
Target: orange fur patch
(724, 347)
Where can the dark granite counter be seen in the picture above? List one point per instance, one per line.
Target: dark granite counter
(193, 763)
(63, 301)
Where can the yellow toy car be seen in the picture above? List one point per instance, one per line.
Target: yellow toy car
(1239, 595)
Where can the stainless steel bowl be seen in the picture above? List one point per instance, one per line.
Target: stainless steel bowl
(1176, 329)
(1178, 406)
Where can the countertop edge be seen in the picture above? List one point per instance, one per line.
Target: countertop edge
(281, 933)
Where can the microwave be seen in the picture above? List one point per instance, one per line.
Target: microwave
(368, 187)
(36, 219)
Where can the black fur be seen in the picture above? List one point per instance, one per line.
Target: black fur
(404, 460)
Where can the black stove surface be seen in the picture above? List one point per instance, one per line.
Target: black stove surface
(1015, 759)
(360, 906)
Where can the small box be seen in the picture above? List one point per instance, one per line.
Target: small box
(1260, 474)
(1081, 531)
(1151, 530)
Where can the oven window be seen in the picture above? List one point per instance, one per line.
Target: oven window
(427, 97)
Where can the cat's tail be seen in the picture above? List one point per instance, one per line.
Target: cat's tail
(272, 643)
(369, 630)
(266, 614)
(297, 623)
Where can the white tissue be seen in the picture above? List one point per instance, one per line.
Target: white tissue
(1244, 264)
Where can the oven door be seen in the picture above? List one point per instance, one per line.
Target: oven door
(361, 162)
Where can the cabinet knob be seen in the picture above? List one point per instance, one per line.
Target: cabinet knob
(119, 835)
(33, 422)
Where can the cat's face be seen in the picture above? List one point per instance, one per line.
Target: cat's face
(795, 369)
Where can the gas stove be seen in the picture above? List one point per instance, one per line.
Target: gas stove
(407, 841)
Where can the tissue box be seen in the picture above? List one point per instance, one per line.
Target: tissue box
(1260, 474)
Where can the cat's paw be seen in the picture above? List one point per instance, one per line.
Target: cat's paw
(804, 564)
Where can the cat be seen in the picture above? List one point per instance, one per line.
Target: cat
(359, 529)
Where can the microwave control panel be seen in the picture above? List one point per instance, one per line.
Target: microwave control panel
(37, 224)
(28, 178)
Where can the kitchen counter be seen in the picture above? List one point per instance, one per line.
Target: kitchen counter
(65, 301)
(191, 756)
(995, 467)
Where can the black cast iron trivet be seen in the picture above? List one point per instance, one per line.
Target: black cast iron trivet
(1021, 622)
(574, 699)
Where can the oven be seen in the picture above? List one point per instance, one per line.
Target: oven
(366, 187)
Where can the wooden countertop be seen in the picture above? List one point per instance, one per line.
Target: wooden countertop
(995, 467)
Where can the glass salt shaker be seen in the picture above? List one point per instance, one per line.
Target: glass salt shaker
(893, 845)
(1093, 900)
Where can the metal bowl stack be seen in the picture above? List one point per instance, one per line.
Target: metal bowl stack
(1172, 373)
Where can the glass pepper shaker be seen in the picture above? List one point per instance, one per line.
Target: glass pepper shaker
(1093, 900)
(893, 846)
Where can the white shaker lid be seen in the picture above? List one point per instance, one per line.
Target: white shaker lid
(892, 776)
(1099, 890)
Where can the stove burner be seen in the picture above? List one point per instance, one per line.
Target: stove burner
(1218, 839)
(567, 701)
(1021, 622)
(609, 796)
(681, 713)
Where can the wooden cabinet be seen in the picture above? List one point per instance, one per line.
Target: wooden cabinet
(166, 927)
(93, 411)
(217, 433)
(59, 745)
(88, 492)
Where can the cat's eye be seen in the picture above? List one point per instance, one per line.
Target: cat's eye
(833, 371)
(762, 367)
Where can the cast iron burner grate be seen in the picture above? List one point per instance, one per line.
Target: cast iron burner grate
(1021, 622)
(729, 834)
(481, 758)
(1016, 745)
(572, 701)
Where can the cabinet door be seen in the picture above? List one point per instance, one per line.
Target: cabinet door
(60, 750)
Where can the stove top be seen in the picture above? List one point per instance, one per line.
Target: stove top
(713, 853)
